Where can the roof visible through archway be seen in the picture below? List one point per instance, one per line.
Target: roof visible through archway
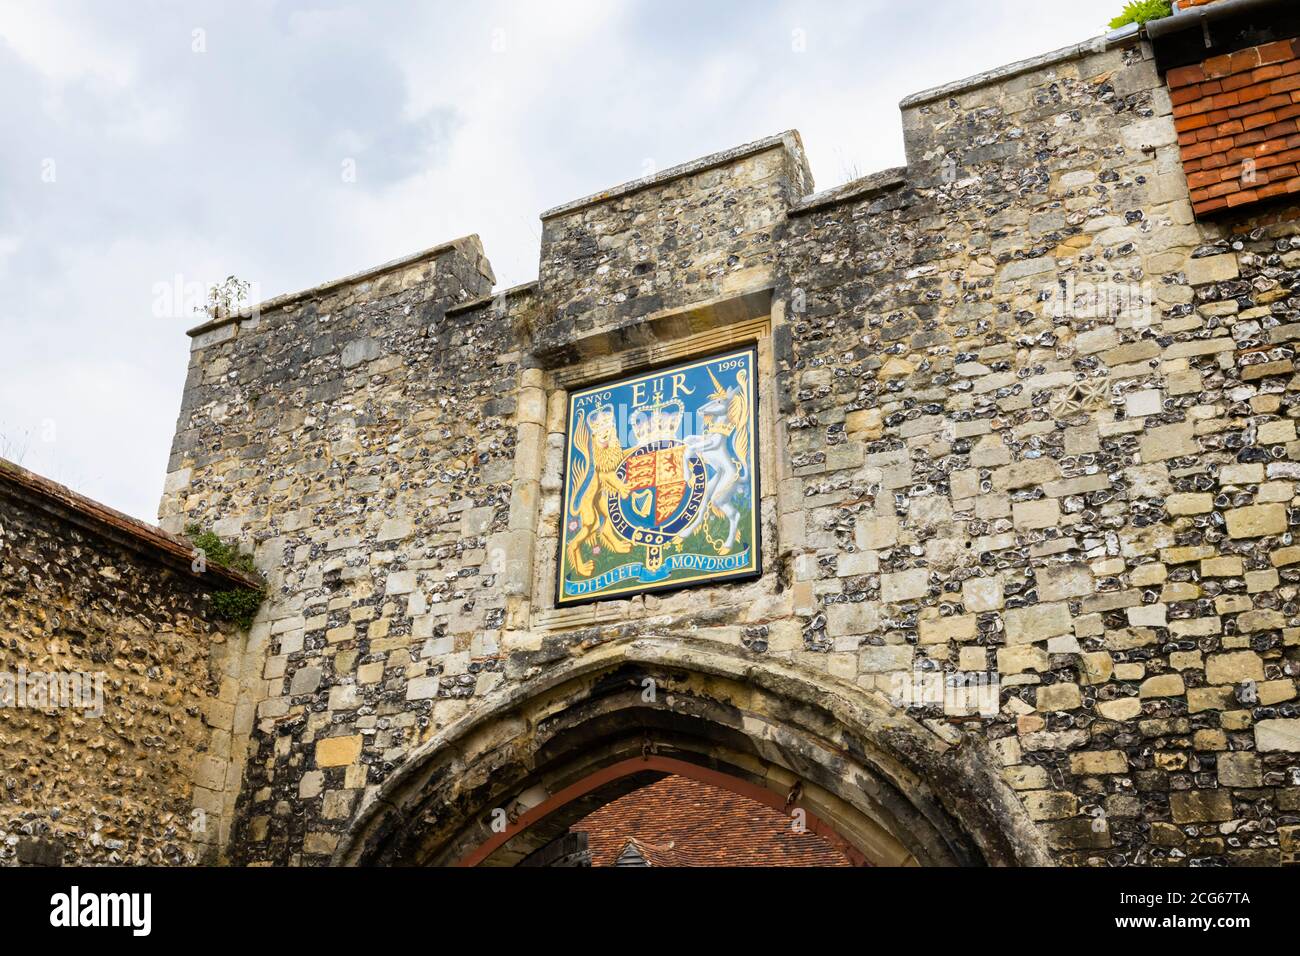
(678, 821)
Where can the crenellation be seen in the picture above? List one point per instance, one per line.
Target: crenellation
(1026, 458)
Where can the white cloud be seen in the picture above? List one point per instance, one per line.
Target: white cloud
(63, 47)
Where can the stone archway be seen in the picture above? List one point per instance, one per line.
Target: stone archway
(889, 787)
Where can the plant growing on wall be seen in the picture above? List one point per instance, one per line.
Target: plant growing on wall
(237, 605)
(218, 552)
(227, 298)
(1140, 11)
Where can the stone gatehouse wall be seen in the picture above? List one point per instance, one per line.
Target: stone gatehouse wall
(1020, 413)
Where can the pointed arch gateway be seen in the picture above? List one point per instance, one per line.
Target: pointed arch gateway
(886, 788)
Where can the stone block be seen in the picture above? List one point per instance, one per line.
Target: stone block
(1222, 268)
(1195, 503)
(1168, 441)
(885, 658)
(1121, 709)
(1278, 733)
(1055, 697)
(1240, 770)
(940, 630)
(1026, 474)
(338, 751)
(1038, 622)
(1059, 582)
(400, 582)
(1201, 806)
(904, 585)
(1037, 514)
(982, 594)
(1140, 404)
(1234, 667)
(862, 617)
(1051, 804)
(305, 680)
(1162, 685)
(1094, 763)
(1255, 521)
(1276, 433)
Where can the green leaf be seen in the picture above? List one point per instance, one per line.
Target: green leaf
(1140, 11)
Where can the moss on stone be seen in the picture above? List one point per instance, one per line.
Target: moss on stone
(237, 605)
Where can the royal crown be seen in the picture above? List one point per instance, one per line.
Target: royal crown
(601, 414)
(661, 421)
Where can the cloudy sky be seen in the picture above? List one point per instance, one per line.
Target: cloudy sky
(151, 146)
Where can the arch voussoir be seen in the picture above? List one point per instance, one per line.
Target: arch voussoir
(893, 789)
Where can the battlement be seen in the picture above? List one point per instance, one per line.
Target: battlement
(978, 476)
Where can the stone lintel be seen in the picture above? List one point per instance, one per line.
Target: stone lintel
(640, 343)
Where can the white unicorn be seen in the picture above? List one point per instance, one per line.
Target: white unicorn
(724, 448)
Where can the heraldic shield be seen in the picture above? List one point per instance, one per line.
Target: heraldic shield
(660, 486)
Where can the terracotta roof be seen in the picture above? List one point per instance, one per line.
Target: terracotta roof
(677, 821)
(637, 853)
(147, 539)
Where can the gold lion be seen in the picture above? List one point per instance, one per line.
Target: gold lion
(595, 438)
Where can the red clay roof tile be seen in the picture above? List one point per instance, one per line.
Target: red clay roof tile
(677, 821)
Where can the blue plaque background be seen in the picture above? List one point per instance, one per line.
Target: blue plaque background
(661, 483)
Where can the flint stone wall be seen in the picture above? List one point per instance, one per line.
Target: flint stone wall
(130, 774)
(967, 466)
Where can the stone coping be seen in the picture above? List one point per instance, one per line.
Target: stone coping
(522, 288)
(153, 542)
(790, 140)
(1125, 36)
(884, 181)
(280, 301)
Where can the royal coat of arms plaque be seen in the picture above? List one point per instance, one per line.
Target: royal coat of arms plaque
(661, 484)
